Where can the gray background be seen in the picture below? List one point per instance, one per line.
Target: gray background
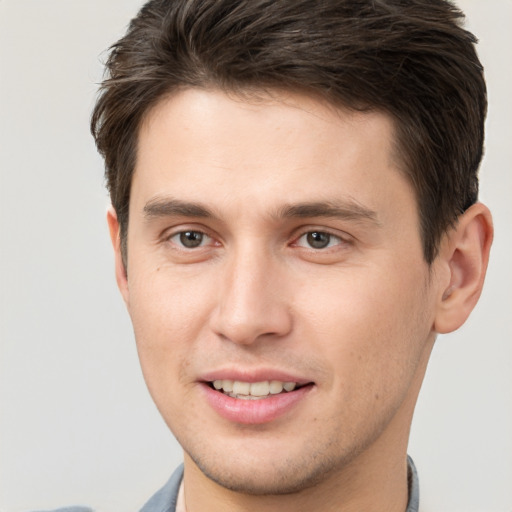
(76, 422)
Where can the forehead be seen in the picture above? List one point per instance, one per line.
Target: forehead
(207, 145)
(212, 108)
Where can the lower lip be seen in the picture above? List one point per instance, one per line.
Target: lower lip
(254, 412)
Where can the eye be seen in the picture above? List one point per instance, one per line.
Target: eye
(190, 239)
(318, 240)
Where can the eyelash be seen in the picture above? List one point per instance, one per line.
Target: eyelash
(319, 233)
(182, 233)
(310, 233)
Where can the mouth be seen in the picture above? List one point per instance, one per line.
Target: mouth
(257, 398)
(254, 390)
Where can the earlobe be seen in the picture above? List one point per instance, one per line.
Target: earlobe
(120, 269)
(464, 254)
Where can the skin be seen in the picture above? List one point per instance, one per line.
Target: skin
(357, 319)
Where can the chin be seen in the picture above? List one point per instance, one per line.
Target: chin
(269, 477)
(261, 483)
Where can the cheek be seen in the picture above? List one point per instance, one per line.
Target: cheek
(166, 306)
(168, 313)
(371, 325)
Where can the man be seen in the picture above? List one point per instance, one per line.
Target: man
(295, 219)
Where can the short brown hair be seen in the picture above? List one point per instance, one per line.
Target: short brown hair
(409, 58)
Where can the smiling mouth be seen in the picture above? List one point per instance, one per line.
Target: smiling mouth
(253, 390)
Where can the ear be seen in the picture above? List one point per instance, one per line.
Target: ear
(463, 258)
(121, 274)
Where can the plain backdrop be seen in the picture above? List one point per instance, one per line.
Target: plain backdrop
(76, 422)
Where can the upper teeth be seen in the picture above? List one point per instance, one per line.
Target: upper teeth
(239, 389)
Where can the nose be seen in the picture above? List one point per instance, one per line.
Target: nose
(252, 302)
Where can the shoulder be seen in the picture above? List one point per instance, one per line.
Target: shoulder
(165, 499)
(414, 486)
(162, 501)
(68, 509)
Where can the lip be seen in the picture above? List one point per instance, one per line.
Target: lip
(253, 376)
(254, 412)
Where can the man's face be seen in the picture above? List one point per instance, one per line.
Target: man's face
(275, 241)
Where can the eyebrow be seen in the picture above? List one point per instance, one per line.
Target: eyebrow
(169, 207)
(346, 210)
